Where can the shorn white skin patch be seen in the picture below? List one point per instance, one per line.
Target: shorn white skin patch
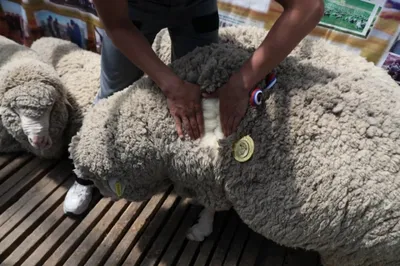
(212, 133)
(37, 130)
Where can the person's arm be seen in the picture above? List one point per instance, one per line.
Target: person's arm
(123, 33)
(297, 20)
(183, 98)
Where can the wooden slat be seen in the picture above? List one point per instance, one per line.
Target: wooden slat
(134, 232)
(35, 231)
(177, 243)
(45, 228)
(20, 174)
(114, 236)
(207, 246)
(164, 238)
(251, 249)
(149, 234)
(13, 166)
(6, 158)
(225, 241)
(48, 246)
(63, 252)
(86, 248)
(21, 231)
(23, 185)
(189, 253)
(237, 246)
(23, 207)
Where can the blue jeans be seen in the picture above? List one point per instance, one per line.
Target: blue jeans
(191, 23)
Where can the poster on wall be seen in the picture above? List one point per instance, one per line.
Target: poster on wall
(351, 16)
(13, 21)
(63, 27)
(369, 28)
(81, 5)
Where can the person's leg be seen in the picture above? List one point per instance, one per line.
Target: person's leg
(117, 73)
(200, 30)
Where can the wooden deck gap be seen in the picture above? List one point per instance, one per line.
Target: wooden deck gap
(168, 258)
(114, 220)
(206, 248)
(13, 166)
(130, 239)
(153, 228)
(227, 220)
(39, 240)
(19, 239)
(82, 236)
(116, 234)
(236, 250)
(180, 213)
(227, 238)
(42, 255)
(158, 229)
(7, 158)
(13, 217)
(244, 244)
(23, 186)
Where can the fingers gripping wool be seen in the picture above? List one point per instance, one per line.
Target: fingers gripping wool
(30, 90)
(325, 170)
(79, 71)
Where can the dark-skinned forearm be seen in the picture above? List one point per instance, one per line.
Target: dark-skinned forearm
(298, 19)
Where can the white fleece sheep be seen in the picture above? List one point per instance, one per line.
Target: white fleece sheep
(79, 71)
(33, 107)
(325, 173)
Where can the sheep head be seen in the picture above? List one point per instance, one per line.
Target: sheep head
(34, 106)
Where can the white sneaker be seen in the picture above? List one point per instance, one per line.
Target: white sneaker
(77, 199)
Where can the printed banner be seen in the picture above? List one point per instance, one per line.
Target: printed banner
(369, 28)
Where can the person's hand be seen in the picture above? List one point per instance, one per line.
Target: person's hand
(184, 103)
(233, 102)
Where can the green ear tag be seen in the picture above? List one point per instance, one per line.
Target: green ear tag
(118, 189)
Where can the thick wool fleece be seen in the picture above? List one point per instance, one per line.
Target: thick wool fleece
(238, 36)
(325, 171)
(30, 87)
(79, 71)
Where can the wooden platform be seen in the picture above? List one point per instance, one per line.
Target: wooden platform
(34, 230)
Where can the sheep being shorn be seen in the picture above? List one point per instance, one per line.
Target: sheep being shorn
(324, 173)
(34, 110)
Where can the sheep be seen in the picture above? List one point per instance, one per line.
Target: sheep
(33, 106)
(79, 71)
(324, 174)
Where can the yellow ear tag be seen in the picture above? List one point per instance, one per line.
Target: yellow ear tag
(118, 189)
(243, 149)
